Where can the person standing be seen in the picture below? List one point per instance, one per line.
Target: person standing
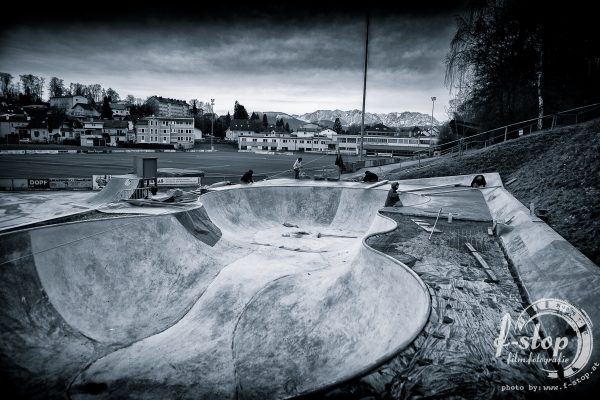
(247, 177)
(296, 168)
(340, 164)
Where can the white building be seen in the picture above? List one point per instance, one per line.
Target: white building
(84, 110)
(164, 107)
(385, 145)
(66, 103)
(38, 132)
(11, 124)
(162, 130)
(120, 109)
(117, 131)
(285, 142)
(240, 127)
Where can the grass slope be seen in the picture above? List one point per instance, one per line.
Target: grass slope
(558, 170)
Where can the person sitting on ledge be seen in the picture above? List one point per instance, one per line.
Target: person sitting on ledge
(247, 177)
(370, 177)
(478, 181)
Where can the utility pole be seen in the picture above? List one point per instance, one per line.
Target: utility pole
(362, 124)
(433, 99)
(212, 123)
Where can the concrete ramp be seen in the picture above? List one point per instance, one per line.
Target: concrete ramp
(259, 293)
(118, 187)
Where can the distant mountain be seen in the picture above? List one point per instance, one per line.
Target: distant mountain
(353, 117)
(273, 116)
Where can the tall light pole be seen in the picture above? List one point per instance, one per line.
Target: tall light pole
(433, 99)
(362, 123)
(212, 123)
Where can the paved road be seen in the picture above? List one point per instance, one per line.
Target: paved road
(217, 163)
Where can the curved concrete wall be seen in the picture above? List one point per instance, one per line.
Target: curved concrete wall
(243, 308)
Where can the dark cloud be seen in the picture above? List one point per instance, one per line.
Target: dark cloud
(294, 52)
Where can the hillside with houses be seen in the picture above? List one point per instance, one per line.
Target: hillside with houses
(89, 116)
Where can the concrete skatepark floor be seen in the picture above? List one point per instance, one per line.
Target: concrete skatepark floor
(264, 291)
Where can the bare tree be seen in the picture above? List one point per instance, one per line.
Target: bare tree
(56, 87)
(114, 96)
(77, 89)
(94, 93)
(33, 86)
(5, 82)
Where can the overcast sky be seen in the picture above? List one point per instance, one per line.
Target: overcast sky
(269, 59)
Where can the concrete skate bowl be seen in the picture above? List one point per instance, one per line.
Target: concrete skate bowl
(261, 292)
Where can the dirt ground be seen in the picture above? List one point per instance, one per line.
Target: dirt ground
(453, 357)
(558, 170)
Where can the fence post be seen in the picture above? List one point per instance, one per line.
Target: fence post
(505, 132)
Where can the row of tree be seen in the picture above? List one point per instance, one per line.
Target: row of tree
(30, 89)
(512, 60)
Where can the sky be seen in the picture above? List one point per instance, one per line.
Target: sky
(293, 59)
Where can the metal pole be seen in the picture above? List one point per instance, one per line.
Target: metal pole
(212, 123)
(433, 99)
(362, 123)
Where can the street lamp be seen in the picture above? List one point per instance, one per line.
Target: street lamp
(433, 99)
(212, 123)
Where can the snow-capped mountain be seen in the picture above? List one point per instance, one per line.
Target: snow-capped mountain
(347, 118)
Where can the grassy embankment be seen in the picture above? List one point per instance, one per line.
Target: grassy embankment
(558, 170)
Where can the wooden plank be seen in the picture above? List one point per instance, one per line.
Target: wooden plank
(510, 181)
(482, 262)
(377, 184)
(426, 227)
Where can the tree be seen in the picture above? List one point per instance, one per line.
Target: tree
(77, 89)
(265, 121)
(114, 96)
(56, 87)
(33, 88)
(5, 82)
(106, 111)
(239, 111)
(492, 60)
(254, 116)
(337, 126)
(194, 103)
(130, 99)
(227, 120)
(287, 127)
(514, 60)
(94, 93)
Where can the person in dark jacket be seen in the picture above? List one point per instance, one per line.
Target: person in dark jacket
(393, 197)
(370, 177)
(247, 177)
(478, 181)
